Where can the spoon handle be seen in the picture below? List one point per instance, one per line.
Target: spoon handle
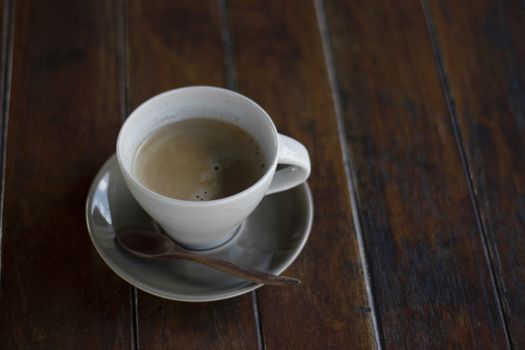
(243, 272)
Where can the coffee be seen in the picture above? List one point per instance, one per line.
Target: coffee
(199, 159)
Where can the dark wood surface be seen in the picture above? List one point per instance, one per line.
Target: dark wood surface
(486, 77)
(63, 119)
(5, 82)
(413, 113)
(432, 283)
(4, 49)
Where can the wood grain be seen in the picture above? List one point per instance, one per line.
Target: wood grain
(432, 283)
(5, 40)
(174, 44)
(281, 66)
(486, 75)
(56, 292)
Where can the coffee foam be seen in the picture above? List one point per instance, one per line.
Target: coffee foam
(199, 159)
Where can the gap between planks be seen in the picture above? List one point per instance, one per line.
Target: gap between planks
(445, 87)
(348, 165)
(123, 86)
(6, 60)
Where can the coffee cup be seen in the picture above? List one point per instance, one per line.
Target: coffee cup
(210, 223)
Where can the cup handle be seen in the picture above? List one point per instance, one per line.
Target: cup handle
(295, 155)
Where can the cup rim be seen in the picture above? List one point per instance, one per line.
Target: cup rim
(204, 88)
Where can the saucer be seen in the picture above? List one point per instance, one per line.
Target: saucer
(270, 239)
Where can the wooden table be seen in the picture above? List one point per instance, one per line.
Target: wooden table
(414, 115)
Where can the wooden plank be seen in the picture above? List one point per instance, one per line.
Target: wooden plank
(281, 65)
(173, 44)
(56, 292)
(432, 283)
(6, 39)
(486, 75)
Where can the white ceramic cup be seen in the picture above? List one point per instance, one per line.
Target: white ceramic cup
(206, 224)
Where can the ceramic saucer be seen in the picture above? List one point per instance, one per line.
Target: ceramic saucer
(270, 240)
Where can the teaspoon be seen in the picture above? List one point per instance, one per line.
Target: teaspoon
(155, 245)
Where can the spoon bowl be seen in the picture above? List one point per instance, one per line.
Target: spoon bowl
(145, 244)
